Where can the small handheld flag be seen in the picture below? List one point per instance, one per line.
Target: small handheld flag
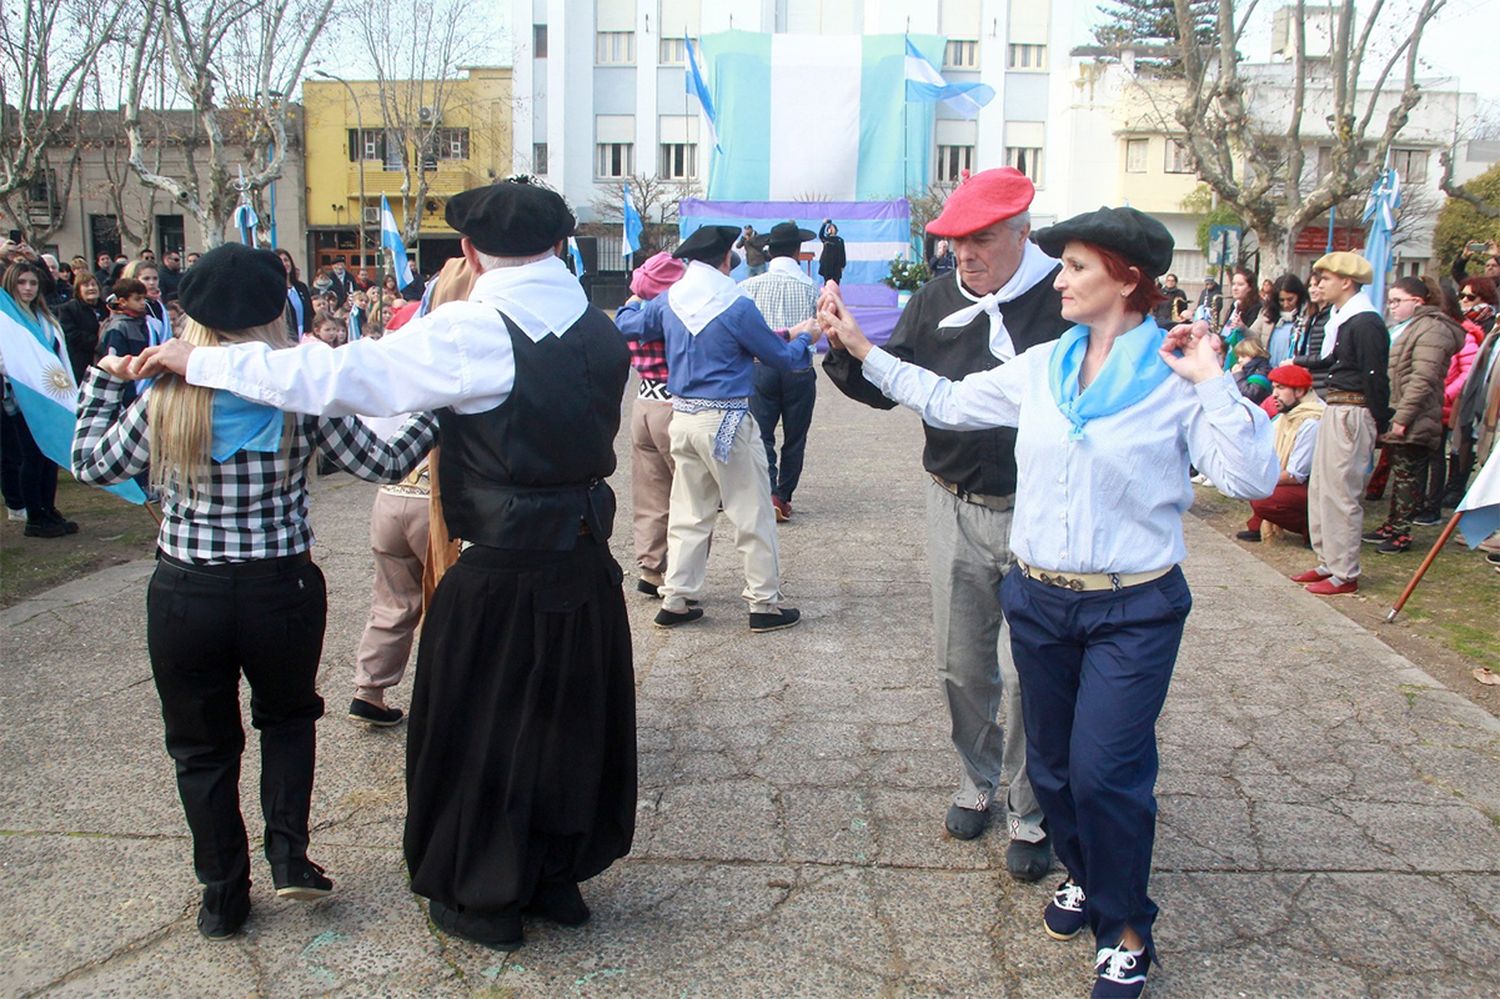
(633, 226)
(390, 239)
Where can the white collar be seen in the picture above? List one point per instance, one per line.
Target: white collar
(1034, 268)
(702, 295)
(542, 297)
(1340, 314)
(789, 267)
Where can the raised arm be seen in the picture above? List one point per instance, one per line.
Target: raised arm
(357, 449)
(111, 441)
(640, 320)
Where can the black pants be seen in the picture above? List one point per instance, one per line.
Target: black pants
(29, 476)
(206, 625)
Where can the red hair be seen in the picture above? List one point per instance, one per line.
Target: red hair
(1145, 295)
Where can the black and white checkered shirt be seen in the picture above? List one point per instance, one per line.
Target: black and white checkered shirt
(254, 506)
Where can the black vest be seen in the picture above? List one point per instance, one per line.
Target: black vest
(530, 472)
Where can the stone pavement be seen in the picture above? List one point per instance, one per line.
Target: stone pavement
(1328, 812)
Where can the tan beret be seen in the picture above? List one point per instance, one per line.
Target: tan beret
(1346, 264)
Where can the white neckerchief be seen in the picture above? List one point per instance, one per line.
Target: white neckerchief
(702, 295)
(1035, 267)
(789, 267)
(541, 297)
(1336, 316)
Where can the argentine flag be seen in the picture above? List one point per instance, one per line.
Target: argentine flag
(633, 226)
(925, 83)
(38, 369)
(390, 239)
(244, 214)
(699, 89)
(576, 255)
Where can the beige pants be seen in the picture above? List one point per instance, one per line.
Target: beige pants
(398, 536)
(699, 485)
(651, 484)
(1336, 488)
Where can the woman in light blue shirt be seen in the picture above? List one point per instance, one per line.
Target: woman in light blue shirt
(1108, 420)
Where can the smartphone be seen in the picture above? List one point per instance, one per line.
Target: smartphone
(1474, 246)
(15, 237)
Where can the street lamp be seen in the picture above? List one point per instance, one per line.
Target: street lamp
(359, 148)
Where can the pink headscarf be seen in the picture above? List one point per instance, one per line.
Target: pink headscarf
(656, 275)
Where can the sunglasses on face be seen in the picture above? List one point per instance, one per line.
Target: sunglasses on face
(1466, 297)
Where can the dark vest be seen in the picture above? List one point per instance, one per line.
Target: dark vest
(531, 472)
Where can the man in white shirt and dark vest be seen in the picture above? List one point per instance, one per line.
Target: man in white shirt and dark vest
(521, 782)
(999, 302)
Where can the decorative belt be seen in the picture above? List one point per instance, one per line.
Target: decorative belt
(650, 388)
(734, 410)
(1334, 398)
(1080, 582)
(997, 503)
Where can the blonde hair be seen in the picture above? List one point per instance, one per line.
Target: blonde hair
(1248, 348)
(181, 415)
(133, 269)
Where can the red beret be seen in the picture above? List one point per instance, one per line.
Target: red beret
(982, 200)
(1292, 376)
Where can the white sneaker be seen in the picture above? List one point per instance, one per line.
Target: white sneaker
(15, 513)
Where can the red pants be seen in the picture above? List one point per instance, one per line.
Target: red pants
(1286, 507)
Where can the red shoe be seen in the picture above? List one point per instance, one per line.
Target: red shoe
(1328, 588)
(783, 509)
(1311, 576)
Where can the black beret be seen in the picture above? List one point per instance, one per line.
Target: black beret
(785, 236)
(511, 219)
(1134, 235)
(234, 287)
(708, 244)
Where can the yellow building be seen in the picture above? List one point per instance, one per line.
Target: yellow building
(457, 134)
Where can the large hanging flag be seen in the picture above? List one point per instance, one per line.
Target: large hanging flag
(633, 226)
(244, 214)
(925, 83)
(38, 370)
(390, 239)
(1380, 214)
(817, 117)
(699, 89)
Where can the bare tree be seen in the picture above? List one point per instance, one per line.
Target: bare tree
(235, 64)
(1256, 162)
(656, 200)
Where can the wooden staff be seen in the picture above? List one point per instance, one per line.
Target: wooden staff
(1422, 569)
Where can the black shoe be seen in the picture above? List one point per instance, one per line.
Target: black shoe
(1029, 861)
(1427, 519)
(1493, 558)
(1251, 536)
(965, 823)
(671, 619)
(1379, 536)
(40, 528)
(1395, 545)
(501, 932)
(785, 617)
(300, 879)
(57, 518)
(1065, 915)
(650, 589)
(374, 715)
(223, 911)
(559, 901)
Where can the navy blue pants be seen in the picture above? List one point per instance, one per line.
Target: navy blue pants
(1094, 671)
(787, 396)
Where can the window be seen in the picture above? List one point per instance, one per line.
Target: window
(1027, 57)
(1177, 160)
(1410, 164)
(1135, 155)
(961, 54)
(449, 144)
(539, 41)
(538, 157)
(104, 231)
(1027, 159)
(615, 159)
(679, 160)
(615, 48)
(367, 144)
(673, 51)
(952, 161)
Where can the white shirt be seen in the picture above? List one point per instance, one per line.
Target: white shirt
(1111, 501)
(1299, 462)
(458, 355)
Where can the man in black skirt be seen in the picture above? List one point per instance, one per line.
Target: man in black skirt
(521, 764)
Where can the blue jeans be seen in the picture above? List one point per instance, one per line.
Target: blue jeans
(788, 397)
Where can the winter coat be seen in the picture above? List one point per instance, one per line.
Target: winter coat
(1419, 361)
(1257, 390)
(1458, 369)
(80, 325)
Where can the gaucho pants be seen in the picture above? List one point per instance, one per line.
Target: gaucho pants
(398, 538)
(1336, 488)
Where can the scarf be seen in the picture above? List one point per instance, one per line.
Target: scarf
(789, 267)
(1336, 318)
(1288, 423)
(1035, 266)
(1398, 329)
(542, 297)
(702, 295)
(240, 425)
(296, 303)
(1131, 372)
(1480, 314)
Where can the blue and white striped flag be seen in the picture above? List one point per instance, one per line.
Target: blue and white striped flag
(244, 214)
(633, 226)
(699, 89)
(390, 239)
(925, 83)
(576, 255)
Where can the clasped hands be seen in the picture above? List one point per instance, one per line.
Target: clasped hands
(170, 356)
(838, 323)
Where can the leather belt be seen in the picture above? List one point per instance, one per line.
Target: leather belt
(1336, 398)
(1082, 582)
(257, 568)
(997, 503)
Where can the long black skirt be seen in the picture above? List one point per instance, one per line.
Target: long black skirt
(520, 760)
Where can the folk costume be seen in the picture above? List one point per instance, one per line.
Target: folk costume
(235, 589)
(713, 336)
(947, 329)
(1295, 434)
(521, 776)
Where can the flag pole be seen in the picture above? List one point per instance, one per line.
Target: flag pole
(1422, 569)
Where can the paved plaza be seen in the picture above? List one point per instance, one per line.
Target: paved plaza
(1329, 814)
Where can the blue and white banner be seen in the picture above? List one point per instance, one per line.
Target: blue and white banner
(390, 239)
(925, 83)
(817, 117)
(37, 367)
(1481, 504)
(633, 226)
(576, 255)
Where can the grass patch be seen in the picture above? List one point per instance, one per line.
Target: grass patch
(110, 531)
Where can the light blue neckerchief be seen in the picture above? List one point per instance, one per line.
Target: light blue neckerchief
(296, 303)
(1131, 372)
(240, 425)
